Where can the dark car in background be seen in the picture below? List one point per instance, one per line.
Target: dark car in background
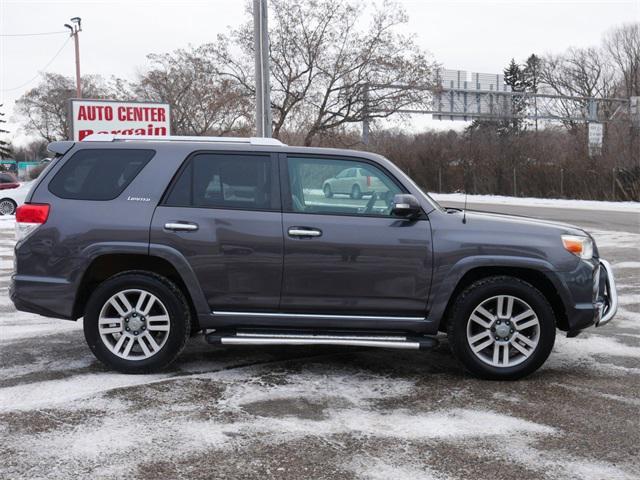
(150, 240)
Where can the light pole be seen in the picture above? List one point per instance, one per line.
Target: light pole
(75, 29)
(263, 92)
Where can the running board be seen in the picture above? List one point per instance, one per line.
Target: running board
(277, 338)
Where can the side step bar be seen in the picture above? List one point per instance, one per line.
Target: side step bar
(279, 338)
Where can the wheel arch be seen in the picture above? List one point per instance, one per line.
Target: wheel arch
(539, 279)
(107, 265)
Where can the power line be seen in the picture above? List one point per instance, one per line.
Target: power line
(40, 70)
(31, 34)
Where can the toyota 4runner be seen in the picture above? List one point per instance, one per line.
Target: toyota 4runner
(151, 240)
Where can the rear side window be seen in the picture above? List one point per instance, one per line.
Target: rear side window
(241, 181)
(100, 174)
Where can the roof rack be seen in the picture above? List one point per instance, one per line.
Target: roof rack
(108, 137)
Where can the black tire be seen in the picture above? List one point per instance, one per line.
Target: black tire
(172, 299)
(328, 193)
(356, 193)
(488, 288)
(8, 206)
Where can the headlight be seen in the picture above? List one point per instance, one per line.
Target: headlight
(579, 246)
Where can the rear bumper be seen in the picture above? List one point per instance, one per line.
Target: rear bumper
(47, 296)
(607, 303)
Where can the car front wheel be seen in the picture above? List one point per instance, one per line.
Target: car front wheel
(501, 328)
(137, 322)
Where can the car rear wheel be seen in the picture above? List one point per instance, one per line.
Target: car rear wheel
(356, 193)
(501, 328)
(328, 193)
(137, 322)
(7, 206)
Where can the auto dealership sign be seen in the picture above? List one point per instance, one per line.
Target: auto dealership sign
(119, 118)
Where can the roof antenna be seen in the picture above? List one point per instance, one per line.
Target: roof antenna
(464, 210)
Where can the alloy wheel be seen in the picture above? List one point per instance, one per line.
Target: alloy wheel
(134, 324)
(503, 331)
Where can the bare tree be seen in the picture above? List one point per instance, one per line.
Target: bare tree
(45, 107)
(326, 70)
(623, 46)
(34, 149)
(579, 72)
(202, 102)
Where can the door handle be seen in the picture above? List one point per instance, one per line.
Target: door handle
(304, 232)
(181, 226)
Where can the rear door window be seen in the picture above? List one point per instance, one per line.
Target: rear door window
(216, 180)
(98, 174)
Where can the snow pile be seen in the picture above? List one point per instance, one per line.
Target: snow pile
(537, 202)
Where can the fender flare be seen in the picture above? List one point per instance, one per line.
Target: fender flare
(182, 266)
(444, 284)
(171, 255)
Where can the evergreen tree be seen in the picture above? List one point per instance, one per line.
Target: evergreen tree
(531, 73)
(5, 149)
(531, 79)
(514, 77)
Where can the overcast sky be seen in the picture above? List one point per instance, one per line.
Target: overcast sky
(478, 36)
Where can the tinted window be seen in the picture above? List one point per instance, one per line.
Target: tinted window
(100, 174)
(5, 178)
(317, 187)
(224, 181)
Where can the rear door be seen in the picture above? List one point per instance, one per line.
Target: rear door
(346, 256)
(222, 212)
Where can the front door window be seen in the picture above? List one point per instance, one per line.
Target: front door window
(339, 187)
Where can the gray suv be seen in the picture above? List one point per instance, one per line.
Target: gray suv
(152, 240)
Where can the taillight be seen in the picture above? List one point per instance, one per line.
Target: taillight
(29, 217)
(368, 180)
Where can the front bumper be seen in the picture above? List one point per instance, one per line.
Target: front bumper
(607, 304)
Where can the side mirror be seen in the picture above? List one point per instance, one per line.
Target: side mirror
(405, 205)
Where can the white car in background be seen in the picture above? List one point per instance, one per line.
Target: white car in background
(354, 182)
(11, 199)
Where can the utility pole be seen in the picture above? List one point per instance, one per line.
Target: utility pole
(261, 46)
(365, 120)
(75, 29)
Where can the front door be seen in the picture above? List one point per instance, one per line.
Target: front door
(222, 213)
(348, 256)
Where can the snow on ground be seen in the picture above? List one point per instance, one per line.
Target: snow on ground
(263, 413)
(613, 239)
(369, 468)
(7, 222)
(24, 325)
(627, 265)
(537, 202)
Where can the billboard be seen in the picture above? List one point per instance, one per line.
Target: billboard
(462, 95)
(119, 118)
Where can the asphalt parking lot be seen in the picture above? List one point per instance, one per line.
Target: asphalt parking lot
(326, 413)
